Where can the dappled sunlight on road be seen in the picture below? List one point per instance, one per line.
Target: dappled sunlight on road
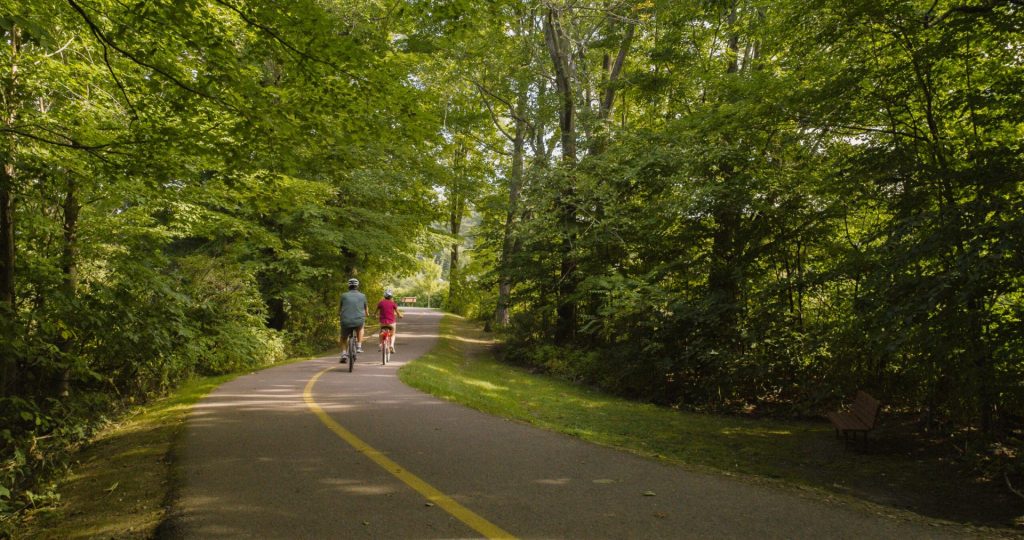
(222, 400)
(390, 366)
(404, 336)
(357, 487)
(553, 481)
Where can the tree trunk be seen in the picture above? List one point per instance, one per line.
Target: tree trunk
(7, 178)
(558, 44)
(455, 224)
(69, 257)
(724, 275)
(456, 209)
(615, 71)
(515, 182)
(8, 371)
(7, 236)
(612, 73)
(541, 151)
(69, 268)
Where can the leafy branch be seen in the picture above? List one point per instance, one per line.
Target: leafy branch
(276, 37)
(106, 41)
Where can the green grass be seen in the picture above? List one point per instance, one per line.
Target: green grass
(794, 454)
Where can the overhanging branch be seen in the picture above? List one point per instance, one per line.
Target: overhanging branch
(274, 35)
(98, 32)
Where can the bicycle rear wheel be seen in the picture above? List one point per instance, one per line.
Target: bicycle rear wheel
(352, 348)
(385, 335)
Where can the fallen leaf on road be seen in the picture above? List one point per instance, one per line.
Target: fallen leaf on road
(661, 515)
(429, 504)
(649, 494)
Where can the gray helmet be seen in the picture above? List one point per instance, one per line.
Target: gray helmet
(388, 293)
(353, 282)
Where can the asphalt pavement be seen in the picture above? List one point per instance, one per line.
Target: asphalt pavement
(309, 450)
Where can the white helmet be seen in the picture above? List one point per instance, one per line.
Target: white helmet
(388, 293)
(353, 282)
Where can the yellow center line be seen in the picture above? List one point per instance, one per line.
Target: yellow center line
(463, 514)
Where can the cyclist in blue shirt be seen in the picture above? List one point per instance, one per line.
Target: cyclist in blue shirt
(353, 311)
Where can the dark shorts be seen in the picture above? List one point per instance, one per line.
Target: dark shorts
(346, 329)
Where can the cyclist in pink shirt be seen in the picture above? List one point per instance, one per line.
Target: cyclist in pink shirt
(389, 313)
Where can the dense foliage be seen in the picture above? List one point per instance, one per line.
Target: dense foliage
(727, 205)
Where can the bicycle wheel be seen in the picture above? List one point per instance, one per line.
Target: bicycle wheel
(387, 348)
(351, 351)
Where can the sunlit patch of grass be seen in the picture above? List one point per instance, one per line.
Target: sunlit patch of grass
(464, 339)
(484, 384)
(755, 432)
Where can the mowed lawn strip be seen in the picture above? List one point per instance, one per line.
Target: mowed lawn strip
(800, 454)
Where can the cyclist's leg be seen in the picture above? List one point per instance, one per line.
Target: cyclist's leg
(359, 337)
(344, 343)
(347, 332)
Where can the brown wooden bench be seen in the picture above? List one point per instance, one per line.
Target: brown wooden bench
(859, 419)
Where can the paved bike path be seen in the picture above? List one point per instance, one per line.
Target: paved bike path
(257, 462)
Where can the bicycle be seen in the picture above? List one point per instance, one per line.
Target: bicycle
(386, 335)
(353, 347)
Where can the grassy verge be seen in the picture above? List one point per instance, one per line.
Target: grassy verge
(120, 484)
(800, 454)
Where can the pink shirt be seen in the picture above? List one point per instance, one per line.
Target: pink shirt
(387, 309)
